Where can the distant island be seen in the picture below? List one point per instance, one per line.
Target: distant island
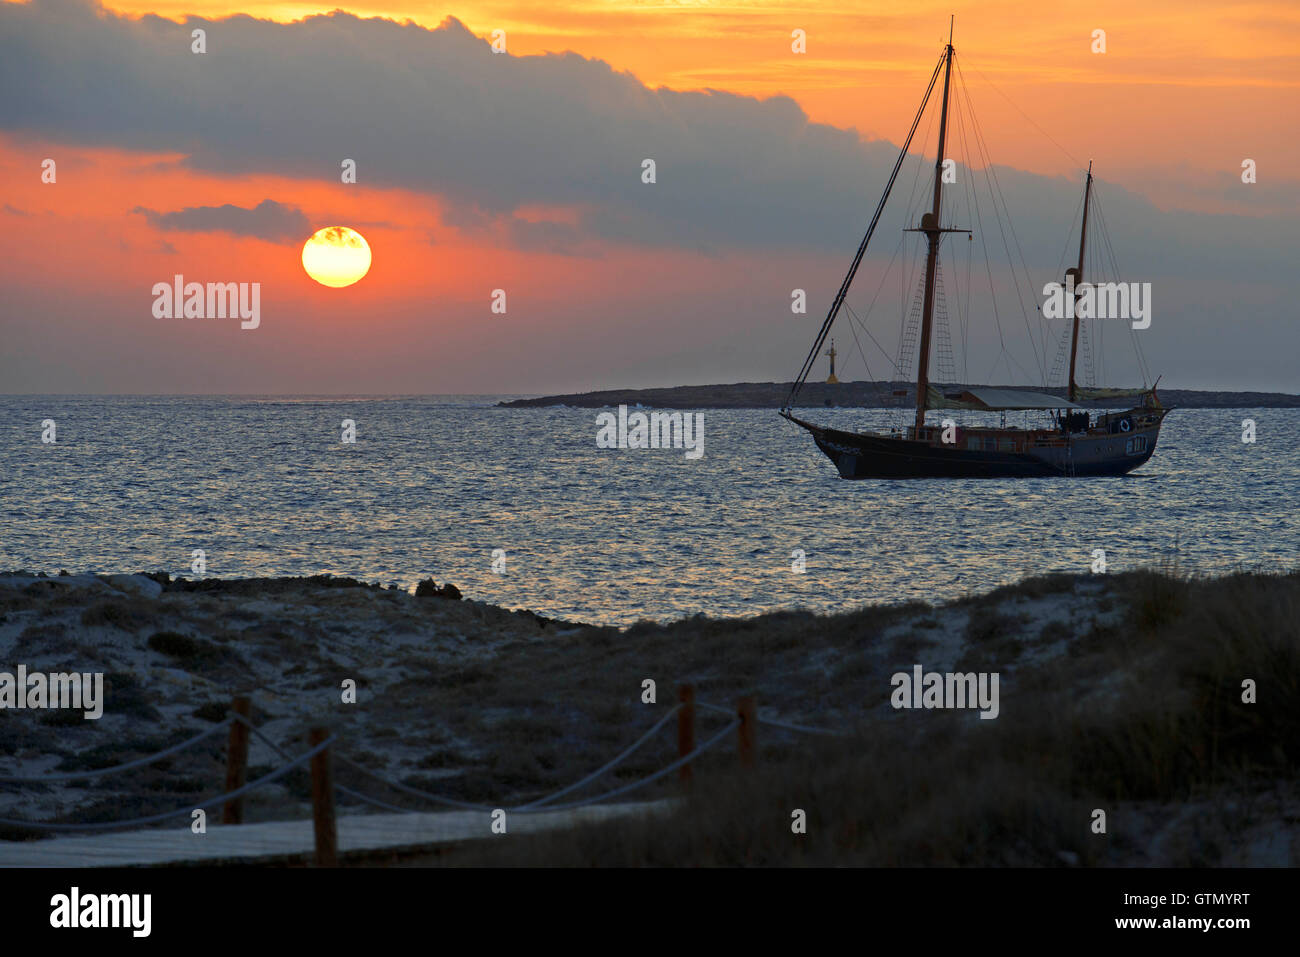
(875, 395)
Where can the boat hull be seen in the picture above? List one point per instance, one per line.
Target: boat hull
(859, 455)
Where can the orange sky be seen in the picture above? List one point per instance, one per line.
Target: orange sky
(1183, 93)
(1182, 84)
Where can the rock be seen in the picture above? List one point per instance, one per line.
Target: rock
(429, 589)
(135, 585)
(42, 585)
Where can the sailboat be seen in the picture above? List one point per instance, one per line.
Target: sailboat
(1075, 443)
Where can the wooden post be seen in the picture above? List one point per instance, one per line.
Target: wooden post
(685, 731)
(236, 762)
(747, 711)
(322, 802)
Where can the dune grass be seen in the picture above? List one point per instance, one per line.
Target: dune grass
(1149, 714)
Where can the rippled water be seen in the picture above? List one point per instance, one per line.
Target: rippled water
(434, 485)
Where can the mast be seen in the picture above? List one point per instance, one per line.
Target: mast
(933, 232)
(1078, 281)
(806, 369)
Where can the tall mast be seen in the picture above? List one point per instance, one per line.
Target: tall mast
(1078, 280)
(933, 232)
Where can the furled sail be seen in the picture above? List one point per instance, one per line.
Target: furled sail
(995, 400)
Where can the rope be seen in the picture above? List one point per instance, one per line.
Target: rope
(787, 725)
(355, 795)
(531, 807)
(537, 806)
(804, 729)
(653, 777)
(188, 809)
(413, 792)
(601, 770)
(366, 799)
(1068, 154)
(102, 772)
(807, 367)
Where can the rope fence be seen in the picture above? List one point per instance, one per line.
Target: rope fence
(745, 720)
(773, 722)
(117, 769)
(188, 809)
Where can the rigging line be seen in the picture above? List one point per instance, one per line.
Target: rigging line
(1045, 330)
(921, 165)
(958, 195)
(1143, 368)
(970, 263)
(1099, 337)
(1062, 349)
(997, 318)
(1012, 360)
(909, 208)
(875, 342)
(862, 321)
(993, 296)
(983, 243)
(1033, 343)
(993, 371)
(1060, 270)
(907, 273)
(990, 171)
(1026, 115)
(969, 186)
(1065, 251)
(862, 247)
(870, 378)
(1089, 327)
(885, 275)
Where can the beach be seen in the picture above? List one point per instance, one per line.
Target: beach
(1139, 672)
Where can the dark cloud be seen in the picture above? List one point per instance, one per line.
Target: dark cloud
(267, 220)
(436, 111)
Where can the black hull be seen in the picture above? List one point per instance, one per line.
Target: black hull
(863, 456)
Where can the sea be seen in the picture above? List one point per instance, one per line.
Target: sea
(522, 508)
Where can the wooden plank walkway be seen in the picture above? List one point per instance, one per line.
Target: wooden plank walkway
(293, 839)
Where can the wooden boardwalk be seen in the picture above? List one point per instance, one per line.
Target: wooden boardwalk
(291, 840)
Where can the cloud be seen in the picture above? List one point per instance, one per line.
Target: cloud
(436, 111)
(268, 220)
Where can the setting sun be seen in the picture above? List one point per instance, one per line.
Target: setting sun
(336, 256)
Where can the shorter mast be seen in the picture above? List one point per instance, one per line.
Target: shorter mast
(1078, 281)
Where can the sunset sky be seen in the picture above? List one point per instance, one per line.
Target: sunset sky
(522, 172)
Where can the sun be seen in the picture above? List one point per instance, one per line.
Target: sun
(336, 256)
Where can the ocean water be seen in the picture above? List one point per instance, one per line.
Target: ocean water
(434, 485)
